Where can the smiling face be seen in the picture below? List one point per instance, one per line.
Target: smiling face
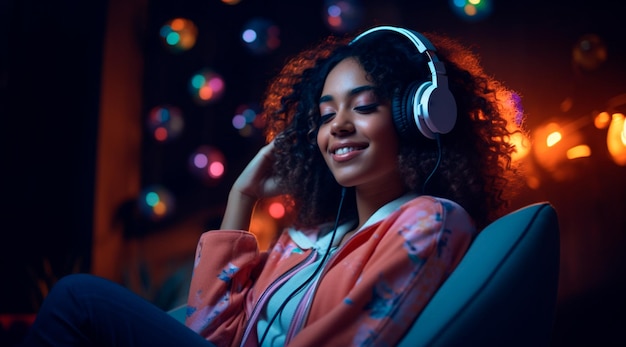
(357, 137)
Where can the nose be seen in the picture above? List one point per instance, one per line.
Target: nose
(342, 124)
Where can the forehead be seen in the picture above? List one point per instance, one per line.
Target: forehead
(346, 75)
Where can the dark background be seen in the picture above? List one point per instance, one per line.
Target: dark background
(51, 54)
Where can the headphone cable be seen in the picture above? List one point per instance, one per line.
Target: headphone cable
(438, 138)
(319, 267)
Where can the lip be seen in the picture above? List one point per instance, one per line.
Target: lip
(358, 148)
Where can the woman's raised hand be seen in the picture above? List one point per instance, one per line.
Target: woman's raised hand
(255, 182)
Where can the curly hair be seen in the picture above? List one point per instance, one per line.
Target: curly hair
(473, 161)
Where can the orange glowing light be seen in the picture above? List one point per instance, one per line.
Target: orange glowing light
(616, 139)
(522, 146)
(205, 93)
(177, 24)
(159, 209)
(602, 120)
(470, 10)
(580, 151)
(276, 210)
(553, 138)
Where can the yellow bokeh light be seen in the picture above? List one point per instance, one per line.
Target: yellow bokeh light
(522, 146)
(552, 141)
(580, 151)
(616, 139)
(553, 138)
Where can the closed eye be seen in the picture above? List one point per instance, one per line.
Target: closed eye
(325, 118)
(366, 109)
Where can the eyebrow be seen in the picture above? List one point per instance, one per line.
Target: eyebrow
(355, 91)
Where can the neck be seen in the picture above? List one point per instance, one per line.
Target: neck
(369, 201)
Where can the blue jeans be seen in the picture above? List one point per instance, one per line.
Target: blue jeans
(85, 310)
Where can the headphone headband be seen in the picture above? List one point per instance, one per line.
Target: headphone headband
(420, 41)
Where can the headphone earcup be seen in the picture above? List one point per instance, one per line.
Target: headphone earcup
(424, 108)
(436, 112)
(402, 113)
(420, 109)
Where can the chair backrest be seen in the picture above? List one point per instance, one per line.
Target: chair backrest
(503, 291)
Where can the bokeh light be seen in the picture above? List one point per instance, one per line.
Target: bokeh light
(555, 144)
(471, 10)
(343, 15)
(156, 202)
(602, 120)
(208, 164)
(247, 120)
(165, 123)
(616, 139)
(231, 2)
(580, 151)
(206, 86)
(179, 35)
(264, 227)
(261, 36)
(553, 138)
(276, 210)
(589, 52)
(522, 146)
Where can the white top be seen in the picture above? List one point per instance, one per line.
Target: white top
(280, 326)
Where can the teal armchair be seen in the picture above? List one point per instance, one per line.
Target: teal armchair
(504, 291)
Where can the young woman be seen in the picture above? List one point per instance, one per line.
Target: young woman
(393, 157)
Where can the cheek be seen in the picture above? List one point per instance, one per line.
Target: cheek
(385, 134)
(321, 140)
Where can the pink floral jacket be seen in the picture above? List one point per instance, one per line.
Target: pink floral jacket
(372, 288)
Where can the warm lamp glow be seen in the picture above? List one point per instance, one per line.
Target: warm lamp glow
(522, 146)
(602, 120)
(264, 227)
(580, 151)
(616, 139)
(553, 138)
(556, 144)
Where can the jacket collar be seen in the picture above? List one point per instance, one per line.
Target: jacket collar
(308, 240)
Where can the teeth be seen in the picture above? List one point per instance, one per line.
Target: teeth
(344, 150)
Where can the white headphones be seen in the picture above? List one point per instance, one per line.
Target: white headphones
(428, 106)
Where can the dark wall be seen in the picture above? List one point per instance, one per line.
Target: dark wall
(51, 58)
